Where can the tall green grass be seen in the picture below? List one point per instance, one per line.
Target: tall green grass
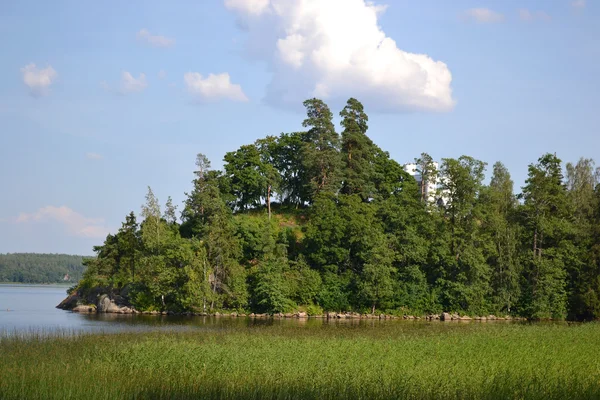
(393, 360)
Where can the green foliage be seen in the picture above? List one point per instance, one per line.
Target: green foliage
(312, 219)
(40, 268)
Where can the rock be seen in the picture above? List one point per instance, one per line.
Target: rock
(465, 318)
(103, 303)
(381, 316)
(241, 315)
(455, 317)
(445, 317)
(252, 315)
(302, 315)
(70, 302)
(492, 317)
(87, 309)
(287, 315)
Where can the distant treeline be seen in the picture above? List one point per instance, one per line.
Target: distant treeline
(40, 268)
(350, 229)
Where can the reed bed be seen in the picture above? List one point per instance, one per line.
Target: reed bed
(395, 360)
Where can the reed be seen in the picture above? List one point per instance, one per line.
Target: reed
(395, 360)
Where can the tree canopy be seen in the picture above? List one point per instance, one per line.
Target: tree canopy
(322, 220)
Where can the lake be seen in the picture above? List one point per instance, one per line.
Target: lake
(25, 308)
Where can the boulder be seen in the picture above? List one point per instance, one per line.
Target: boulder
(70, 302)
(445, 317)
(87, 309)
(465, 318)
(302, 315)
(455, 317)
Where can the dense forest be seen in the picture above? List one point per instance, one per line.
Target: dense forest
(326, 220)
(40, 268)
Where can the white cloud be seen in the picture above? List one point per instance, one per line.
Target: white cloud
(527, 15)
(154, 40)
(75, 223)
(93, 156)
(37, 79)
(251, 7)
(162, 74)
(213, 87)
(335, 49)
(578, 4)
(129, 84)
(482, 16)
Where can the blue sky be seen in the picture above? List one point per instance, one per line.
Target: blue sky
(98, 100)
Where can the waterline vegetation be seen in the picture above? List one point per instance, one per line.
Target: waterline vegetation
(394, 360)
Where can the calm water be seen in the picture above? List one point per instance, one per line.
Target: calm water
(26, 308)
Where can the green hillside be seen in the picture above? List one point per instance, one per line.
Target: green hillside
(40, 268)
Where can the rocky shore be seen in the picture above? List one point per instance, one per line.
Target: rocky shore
(105, 301)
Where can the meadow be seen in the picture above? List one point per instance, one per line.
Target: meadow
(396, 359)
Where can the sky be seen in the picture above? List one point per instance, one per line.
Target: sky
(99, 100)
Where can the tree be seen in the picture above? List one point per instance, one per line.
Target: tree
(583, 285)
(467, 275)
(321, 158)
(288, 161)
(428, 172)
(205, 200)
(358, 151)
(545, 215)
(170, 214)
(129, 243)
(244, 168)
(376, 284)
(268, 149)
(502, 253)
(152, 226)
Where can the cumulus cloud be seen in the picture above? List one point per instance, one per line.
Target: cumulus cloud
(75, 223)
(93, 156)
(38, 79)
(129, 84)
(154, 40)
(250, 7)
(334, 50)
(578, 4)
(213, 87)
(527, 15)
(482, 16)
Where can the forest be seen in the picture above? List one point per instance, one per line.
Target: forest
(40, 268)
(324, 220)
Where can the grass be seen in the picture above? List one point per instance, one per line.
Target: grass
(318, 361)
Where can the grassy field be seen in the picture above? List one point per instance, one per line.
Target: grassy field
(392, 360)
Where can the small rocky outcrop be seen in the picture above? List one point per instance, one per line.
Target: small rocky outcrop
(101, 300)
(445, 317)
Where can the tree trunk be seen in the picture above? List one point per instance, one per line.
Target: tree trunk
(269, 201)
(204, 289)
(373, 309)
